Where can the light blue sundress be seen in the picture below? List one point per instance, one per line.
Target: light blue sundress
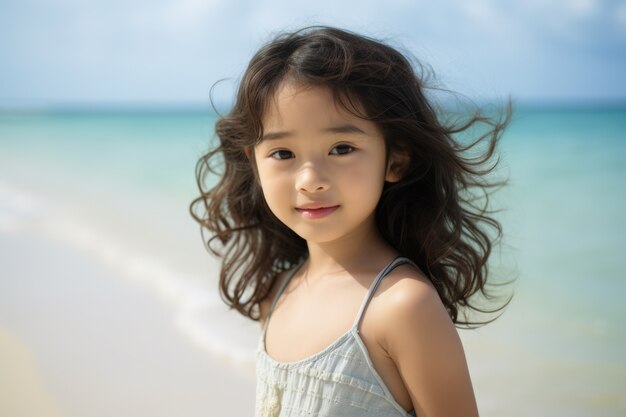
(339, 381)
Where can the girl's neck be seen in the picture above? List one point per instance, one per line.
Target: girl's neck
(362, 250)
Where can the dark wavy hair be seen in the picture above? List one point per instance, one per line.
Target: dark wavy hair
(437, 214)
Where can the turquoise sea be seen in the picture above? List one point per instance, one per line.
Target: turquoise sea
(118, 184)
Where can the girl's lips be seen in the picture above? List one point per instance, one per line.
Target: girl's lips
(316, 213)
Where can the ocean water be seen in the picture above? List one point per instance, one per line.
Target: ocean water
(117, 185)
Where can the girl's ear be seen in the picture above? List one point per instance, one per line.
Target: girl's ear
(396, 167)
(246, 150)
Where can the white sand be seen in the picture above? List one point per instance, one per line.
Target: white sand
(82, 342)
(22, 390)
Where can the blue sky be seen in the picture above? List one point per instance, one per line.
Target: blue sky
(113, 52)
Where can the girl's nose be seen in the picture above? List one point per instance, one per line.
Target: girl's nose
(311, 179)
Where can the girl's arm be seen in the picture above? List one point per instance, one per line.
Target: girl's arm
(425, 346)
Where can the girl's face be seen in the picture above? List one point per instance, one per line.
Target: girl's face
(322, 169)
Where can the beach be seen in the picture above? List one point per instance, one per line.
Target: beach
(80, 342)
(109, 302)
(23, 390)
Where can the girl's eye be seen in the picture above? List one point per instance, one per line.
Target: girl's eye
(281, 154)
(342, 150)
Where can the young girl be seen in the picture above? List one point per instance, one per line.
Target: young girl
(347, 225)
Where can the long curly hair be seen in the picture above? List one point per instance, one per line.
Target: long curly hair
(437, 215)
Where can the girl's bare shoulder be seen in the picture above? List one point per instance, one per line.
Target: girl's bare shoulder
(420, 337)
(406, 285)
(407, 299)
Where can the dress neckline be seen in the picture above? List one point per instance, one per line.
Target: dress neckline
(298, 362)
(354, 329)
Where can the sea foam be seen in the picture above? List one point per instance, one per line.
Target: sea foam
(197, 311)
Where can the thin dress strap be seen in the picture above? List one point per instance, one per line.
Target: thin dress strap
(282, 287)
(386, 270)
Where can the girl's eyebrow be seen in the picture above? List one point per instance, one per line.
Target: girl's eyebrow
(277, 135)
(347, 128)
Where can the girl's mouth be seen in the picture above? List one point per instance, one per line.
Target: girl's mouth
(316, 213)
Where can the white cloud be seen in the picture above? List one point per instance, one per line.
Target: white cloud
(186, 15)
(560, 10)
(620, 15)
(583, 9)
(179, 48)
(483, 12)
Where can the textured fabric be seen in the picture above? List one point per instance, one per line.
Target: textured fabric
(339, 381)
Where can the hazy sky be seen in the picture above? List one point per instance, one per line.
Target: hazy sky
(170, 52)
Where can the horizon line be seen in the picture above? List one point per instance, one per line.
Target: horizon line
(199, 107)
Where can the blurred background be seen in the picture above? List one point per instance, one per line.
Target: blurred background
(108, 300)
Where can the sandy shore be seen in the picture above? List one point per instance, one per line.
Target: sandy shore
(22, 389)
(78, 341)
